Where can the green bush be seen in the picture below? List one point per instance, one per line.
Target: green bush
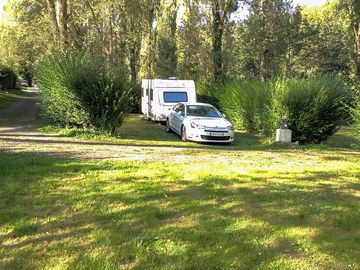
(8, 77)
(135, 101)
(81, 91)
(315, 107)
(355, 112)
(247, 104)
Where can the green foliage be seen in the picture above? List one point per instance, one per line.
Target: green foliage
(247, 103)
(355, 112)
(315, 107)
(8, 77)
(135, 102)
(81, 91)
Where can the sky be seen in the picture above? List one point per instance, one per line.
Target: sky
(308, 3)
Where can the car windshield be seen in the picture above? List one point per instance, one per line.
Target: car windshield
(202, 111)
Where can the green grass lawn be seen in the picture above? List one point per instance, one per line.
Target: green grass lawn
(249, 206)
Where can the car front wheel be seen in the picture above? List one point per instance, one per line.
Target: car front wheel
(168, 130)
(183, 134)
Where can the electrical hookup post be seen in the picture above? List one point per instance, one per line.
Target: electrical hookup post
(283, 134)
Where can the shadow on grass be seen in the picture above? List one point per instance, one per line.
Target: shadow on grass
(108, 215)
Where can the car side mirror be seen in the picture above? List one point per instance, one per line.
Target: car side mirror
(223, 114)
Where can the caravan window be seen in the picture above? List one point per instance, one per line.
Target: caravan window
(151, 94)
(174, 97)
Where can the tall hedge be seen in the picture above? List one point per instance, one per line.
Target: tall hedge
(315, 107)
(8, 77)
(355, 111)
(79, 90)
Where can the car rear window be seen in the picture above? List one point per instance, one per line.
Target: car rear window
(174, 97)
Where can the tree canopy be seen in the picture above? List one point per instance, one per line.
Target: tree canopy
(190, 39)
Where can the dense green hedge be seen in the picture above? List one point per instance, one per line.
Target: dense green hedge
(78, 90)
(8, 77)
(355, 111)
(315, 106)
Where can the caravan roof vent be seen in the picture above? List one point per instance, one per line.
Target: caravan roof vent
(172, 78)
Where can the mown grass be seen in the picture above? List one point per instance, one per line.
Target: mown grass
(246, 208)
(136, 131)
(273, 211)
(7, 97)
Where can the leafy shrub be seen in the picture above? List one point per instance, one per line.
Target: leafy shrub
(8, 77)
(135, 101)
(315, 107)
(81, 91)
(355, 112)
(247, 104)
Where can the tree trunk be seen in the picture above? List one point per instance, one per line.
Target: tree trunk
(218, 30)
(59, 21)
(111, 40)
(54, 22)
(357, 50)
(133, 51)
(63, 24)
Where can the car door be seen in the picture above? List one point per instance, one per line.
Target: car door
(171, 115)
(179, 116)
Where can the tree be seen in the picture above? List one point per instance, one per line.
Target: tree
(264, 35)
(59, 18)
(166, 61)
(221, 10)
(351, 10)
(23, 37)
(194, 43)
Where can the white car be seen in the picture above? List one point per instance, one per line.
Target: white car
(24, 83)
(199, 122)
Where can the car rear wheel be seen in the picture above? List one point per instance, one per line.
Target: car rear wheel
(168, 129)
(183, 134)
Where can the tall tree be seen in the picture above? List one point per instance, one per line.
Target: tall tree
(351, 9)
(59, 18)
(264, 35)
(221, 10)
(194, 42)
(166, 61)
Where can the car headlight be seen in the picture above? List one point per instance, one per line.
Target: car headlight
(194, 125)
(230, 128)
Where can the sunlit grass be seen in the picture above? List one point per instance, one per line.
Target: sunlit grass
(287, 209)
(252, 205)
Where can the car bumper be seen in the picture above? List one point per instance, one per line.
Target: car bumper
(204, 136)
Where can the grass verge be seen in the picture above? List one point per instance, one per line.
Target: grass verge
(257, 210)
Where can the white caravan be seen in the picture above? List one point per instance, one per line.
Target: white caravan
(159, 96)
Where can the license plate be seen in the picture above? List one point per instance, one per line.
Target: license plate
(218, 134)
